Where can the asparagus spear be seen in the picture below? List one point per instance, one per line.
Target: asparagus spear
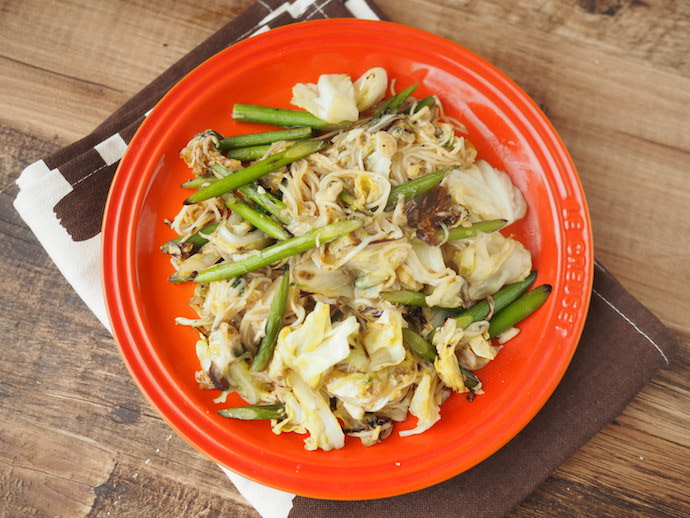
(256, 218)
(406, 298)
(274, 322)
(255, 171)
(482, 226)
(280, 117)
(518, 310)
(471, 380)
(196, 238)
(427, 101)
(259, 196)
(393, 103)
(252, 191)
(295, 245)
(349, 200)
(254, 412)
(198, 181)
(501, 299)
(267, 137)
(267, 201)
(246, 154)
(409, 190)
(457, 233)
(411, 298)
(419, 345)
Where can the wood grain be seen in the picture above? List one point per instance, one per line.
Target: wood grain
(77, 438)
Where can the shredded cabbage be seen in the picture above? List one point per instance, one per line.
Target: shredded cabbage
(486, 192)
(331, 99)
(489, 261)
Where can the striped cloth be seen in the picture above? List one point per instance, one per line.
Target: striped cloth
(62, 199)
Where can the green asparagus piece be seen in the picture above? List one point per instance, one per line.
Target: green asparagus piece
(197, 182)
(252, 191)
(518, 310)
(419, 345)
(406, 298)
(274, 323)
(409, 190)
(393, 103)
(269, 255)
(252, 413)
(255, 171)
(501, 299)
(196, 239)
(267, 137)
(411, 298)
(482, 226)
(351, 202)
(260, 196)
(427, 101)
(247, 154)
(256, 218)
(471, 380)
(267, 201)
(280, 117)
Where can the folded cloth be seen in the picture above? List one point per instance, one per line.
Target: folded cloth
(62, 199)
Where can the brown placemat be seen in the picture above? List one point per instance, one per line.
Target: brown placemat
(623, 344)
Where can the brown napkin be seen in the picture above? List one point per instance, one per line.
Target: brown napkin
(623, 344)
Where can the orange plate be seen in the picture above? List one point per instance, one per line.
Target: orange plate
(508, 130)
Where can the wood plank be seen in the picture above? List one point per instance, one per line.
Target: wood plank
(121, 46)
(652, 32)
(612, 75)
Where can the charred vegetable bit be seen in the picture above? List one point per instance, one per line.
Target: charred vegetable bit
(501, 299)
(267, 137)
(256, 218)
(197, 240)
(392, 104)
(246, 154)
(417, 344)
(430, 213)
(254, 412)
(519, 310)
(274, 322)
(217, 378)
(280, 117)
(295, 245)
(371, 422)
(256, 171)
(416, 187)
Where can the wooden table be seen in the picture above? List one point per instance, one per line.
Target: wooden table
(76, 436)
